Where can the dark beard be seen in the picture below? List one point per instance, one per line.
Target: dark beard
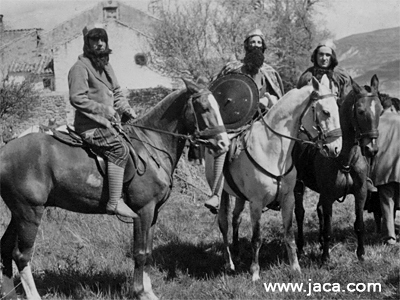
(253, 60)
(99, 59)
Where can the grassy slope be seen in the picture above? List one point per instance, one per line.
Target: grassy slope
(89, 257)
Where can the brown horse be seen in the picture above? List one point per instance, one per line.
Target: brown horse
(346, 174)
(38, 171)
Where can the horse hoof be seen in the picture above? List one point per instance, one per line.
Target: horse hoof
(255, 277)
(296, 269)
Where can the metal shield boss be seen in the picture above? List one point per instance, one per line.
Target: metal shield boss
(238, 97)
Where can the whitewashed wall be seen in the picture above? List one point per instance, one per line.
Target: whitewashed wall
(125, 44)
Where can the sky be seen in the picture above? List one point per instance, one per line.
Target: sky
(341, 17)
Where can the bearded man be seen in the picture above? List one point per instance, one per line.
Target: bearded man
(98, 99)
(270, 88)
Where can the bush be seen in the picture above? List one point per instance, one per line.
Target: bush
(17, 99)
(144, 99)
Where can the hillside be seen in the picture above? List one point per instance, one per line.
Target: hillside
(376, 52)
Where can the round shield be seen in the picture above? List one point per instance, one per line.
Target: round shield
(237, 96)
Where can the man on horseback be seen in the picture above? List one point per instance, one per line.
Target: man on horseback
(270, 88)
(95, 93)
(325, 62)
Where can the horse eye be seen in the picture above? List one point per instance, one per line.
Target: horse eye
(360, 112)
(326, 113)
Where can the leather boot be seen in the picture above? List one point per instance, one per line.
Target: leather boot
(116, 205)
(213, 202)
(370, 186)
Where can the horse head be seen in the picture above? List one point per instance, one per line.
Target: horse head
(320, 120)
(366, 111)
(204, 119)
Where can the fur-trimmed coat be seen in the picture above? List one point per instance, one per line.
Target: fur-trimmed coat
(90, 92)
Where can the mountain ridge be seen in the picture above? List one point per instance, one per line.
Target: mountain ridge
(376, 52)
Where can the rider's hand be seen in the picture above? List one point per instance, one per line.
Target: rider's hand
(264, 103)
(268, 100)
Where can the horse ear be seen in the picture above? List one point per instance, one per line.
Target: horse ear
(375, 82)
(325, 80)
(191, 86)
(315, 83)
(355, 86)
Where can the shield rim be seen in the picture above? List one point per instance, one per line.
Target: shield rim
(253, 87)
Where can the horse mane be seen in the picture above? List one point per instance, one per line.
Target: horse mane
(284, 104)
(156, 112)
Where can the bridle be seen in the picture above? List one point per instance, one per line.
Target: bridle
(321, 138)
(199, 136)
(202, 136)
(373, 133)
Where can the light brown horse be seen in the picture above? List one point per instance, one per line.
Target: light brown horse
(37, 171)
(263, 172)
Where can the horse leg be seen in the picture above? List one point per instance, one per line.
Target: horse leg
(299, 213)
(142, 231)
(320, 213)
(236, 221)
(21, 240)
(360, 198)
(255, 214)
(326, 217)
(149, 248)
(224, 227)
(8, 243)
(287, 217)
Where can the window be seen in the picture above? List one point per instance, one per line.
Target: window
(141, 59)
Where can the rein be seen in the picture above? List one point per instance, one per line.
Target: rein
(199, 136)
(319, 140)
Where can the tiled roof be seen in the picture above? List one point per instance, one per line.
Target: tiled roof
(41, 65)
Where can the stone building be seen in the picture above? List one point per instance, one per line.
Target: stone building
(48, 55)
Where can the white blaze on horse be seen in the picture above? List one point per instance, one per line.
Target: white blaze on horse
(38, 170)
(263, 172)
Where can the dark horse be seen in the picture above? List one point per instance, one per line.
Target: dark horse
(39, 171)
(334, 178)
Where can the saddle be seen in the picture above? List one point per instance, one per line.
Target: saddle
(135, 164)
(238, 144)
